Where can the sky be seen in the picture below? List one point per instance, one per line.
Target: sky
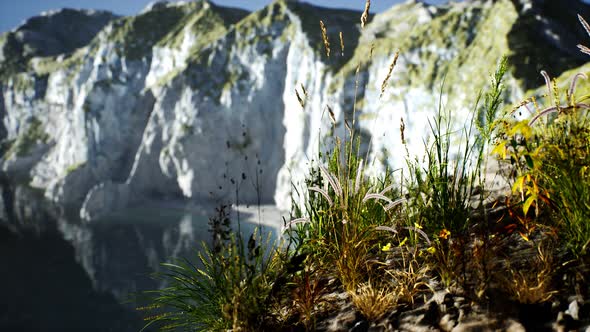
(14, 12)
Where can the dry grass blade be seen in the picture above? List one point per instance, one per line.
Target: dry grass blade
(331, 113)
(388, 188)
(323, 193)
(341, 44)
(304, 90)
(531, 289)
(348, 126)
(359, 177)
(293, 222)
(365, 15)
(584, 24)
(299, 99)
(402, 129)
(421, 232)
(574, 83)
(325, 38)
(547, 83)
(557, 109)
(307, 298)
(533, 285)
(411, 278)
(584, 49)
(395, 203)
(333, 180)
(377, 197)
(373, 303)
(386, 228)
(391, 66)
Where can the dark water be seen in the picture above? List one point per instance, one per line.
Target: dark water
(62, 274)
(43, 288)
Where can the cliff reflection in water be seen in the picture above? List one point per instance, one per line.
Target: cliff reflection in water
(59, 273)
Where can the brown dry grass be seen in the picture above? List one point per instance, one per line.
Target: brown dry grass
(373, 302)
(532, 284)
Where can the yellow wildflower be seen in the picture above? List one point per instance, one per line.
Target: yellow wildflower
(403, 242)
(444, 234)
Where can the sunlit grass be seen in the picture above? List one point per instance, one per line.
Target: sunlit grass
(389, 241)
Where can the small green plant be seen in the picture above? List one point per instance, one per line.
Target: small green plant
(447, 194)
(447, 258)
(230, 289)
(74, 167)
(550, 153)
(342, 211)
(441, 191)
(410, 276)
(309, 287)
(33, 135)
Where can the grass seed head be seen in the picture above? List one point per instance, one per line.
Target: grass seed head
(341, 44)
(388, 76)
(365, 15)
(325, 38)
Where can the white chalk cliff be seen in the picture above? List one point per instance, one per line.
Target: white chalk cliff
(190, 100)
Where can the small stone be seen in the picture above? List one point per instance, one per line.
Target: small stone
(459, 301)
(447, 323)
(474, 326)
(461, 315)
(573, 310)
(441, 296)
(565, 322)
(558, 324)
(360, 326)
(559, 316)
(514, 326)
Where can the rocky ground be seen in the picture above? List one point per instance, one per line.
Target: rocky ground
(446, 312)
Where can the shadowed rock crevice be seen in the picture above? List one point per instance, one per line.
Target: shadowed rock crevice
(545, 38)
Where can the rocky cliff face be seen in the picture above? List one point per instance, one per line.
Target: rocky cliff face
(192, 101)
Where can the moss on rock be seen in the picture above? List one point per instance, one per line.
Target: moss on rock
(136, 35)
(34, 135)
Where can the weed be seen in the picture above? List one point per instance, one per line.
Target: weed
(373, 302)
(441, 191)
(229, 290)
(309, 288)
(551, 157)
(411, 278)
(533, 283)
